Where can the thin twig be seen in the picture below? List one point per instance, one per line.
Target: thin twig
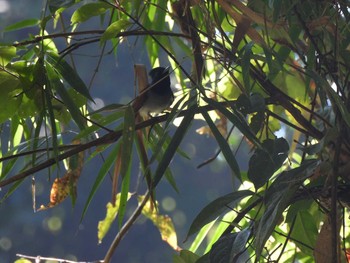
(125, 228)
(39, 258)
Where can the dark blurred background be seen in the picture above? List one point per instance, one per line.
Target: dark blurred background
(58, 232)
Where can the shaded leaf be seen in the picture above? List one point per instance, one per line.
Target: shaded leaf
(58, 86)
(246, 66)
(224, 147)
(237, 119)
(266, 161)
(173, 145)
(128, 139)
(239, 245)
(101, 175)
(221, 250)
(57, 4)
(185, 256)
(277, 199)
(126, 159)
(68, 73)
(215, 209)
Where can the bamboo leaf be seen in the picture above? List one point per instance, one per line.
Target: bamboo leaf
(215, 209)
(22, 24)
(114, 29)
(89, 10)
(106, 166)
(224, 147)
(68, 73)
(173, 145)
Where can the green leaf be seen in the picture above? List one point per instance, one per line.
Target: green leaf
(126, 158)
(277, 198)
(22, 24)
(185, 256)
(236, 120)
(246, 66)
(335, 98)
(173, 145)
(58, 86)
(89, 10)
(221, 250)
(51, 115)
(6, 54)
(266, 161)
(305, 230)
(9, 99)
(54, 5)
(68, 73)
(224, 147)
(114, 29)
(215, 209)
(239, 245)
(128, 139)
(109, 161)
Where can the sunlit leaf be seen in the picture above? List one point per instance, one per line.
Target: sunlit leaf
(23, 24)
(9, 101)
(111, 213)
(7, 53)
(162, 222)
(114, 29)
(89, 10)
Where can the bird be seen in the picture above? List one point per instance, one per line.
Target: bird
(158, 95)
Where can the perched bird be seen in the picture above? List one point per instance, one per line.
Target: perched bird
(158, 96)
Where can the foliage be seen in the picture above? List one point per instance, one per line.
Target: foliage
(276, 71)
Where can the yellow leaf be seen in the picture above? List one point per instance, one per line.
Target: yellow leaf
(162, 222)
(111, 213)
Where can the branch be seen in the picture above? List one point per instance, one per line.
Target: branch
(37, 39)
(106, 139)
(125, 228)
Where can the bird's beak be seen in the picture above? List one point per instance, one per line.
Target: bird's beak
(166, 69)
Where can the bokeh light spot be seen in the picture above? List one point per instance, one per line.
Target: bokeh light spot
(168, 204)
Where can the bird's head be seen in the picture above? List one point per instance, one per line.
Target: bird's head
(159, 73)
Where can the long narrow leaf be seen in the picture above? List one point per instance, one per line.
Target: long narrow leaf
(126, 158)
(58, 86)
(277, 198)
(68, 73)
(101, 175)
(236, 120)
(225, 148)
(173, 145)
(215, 209)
